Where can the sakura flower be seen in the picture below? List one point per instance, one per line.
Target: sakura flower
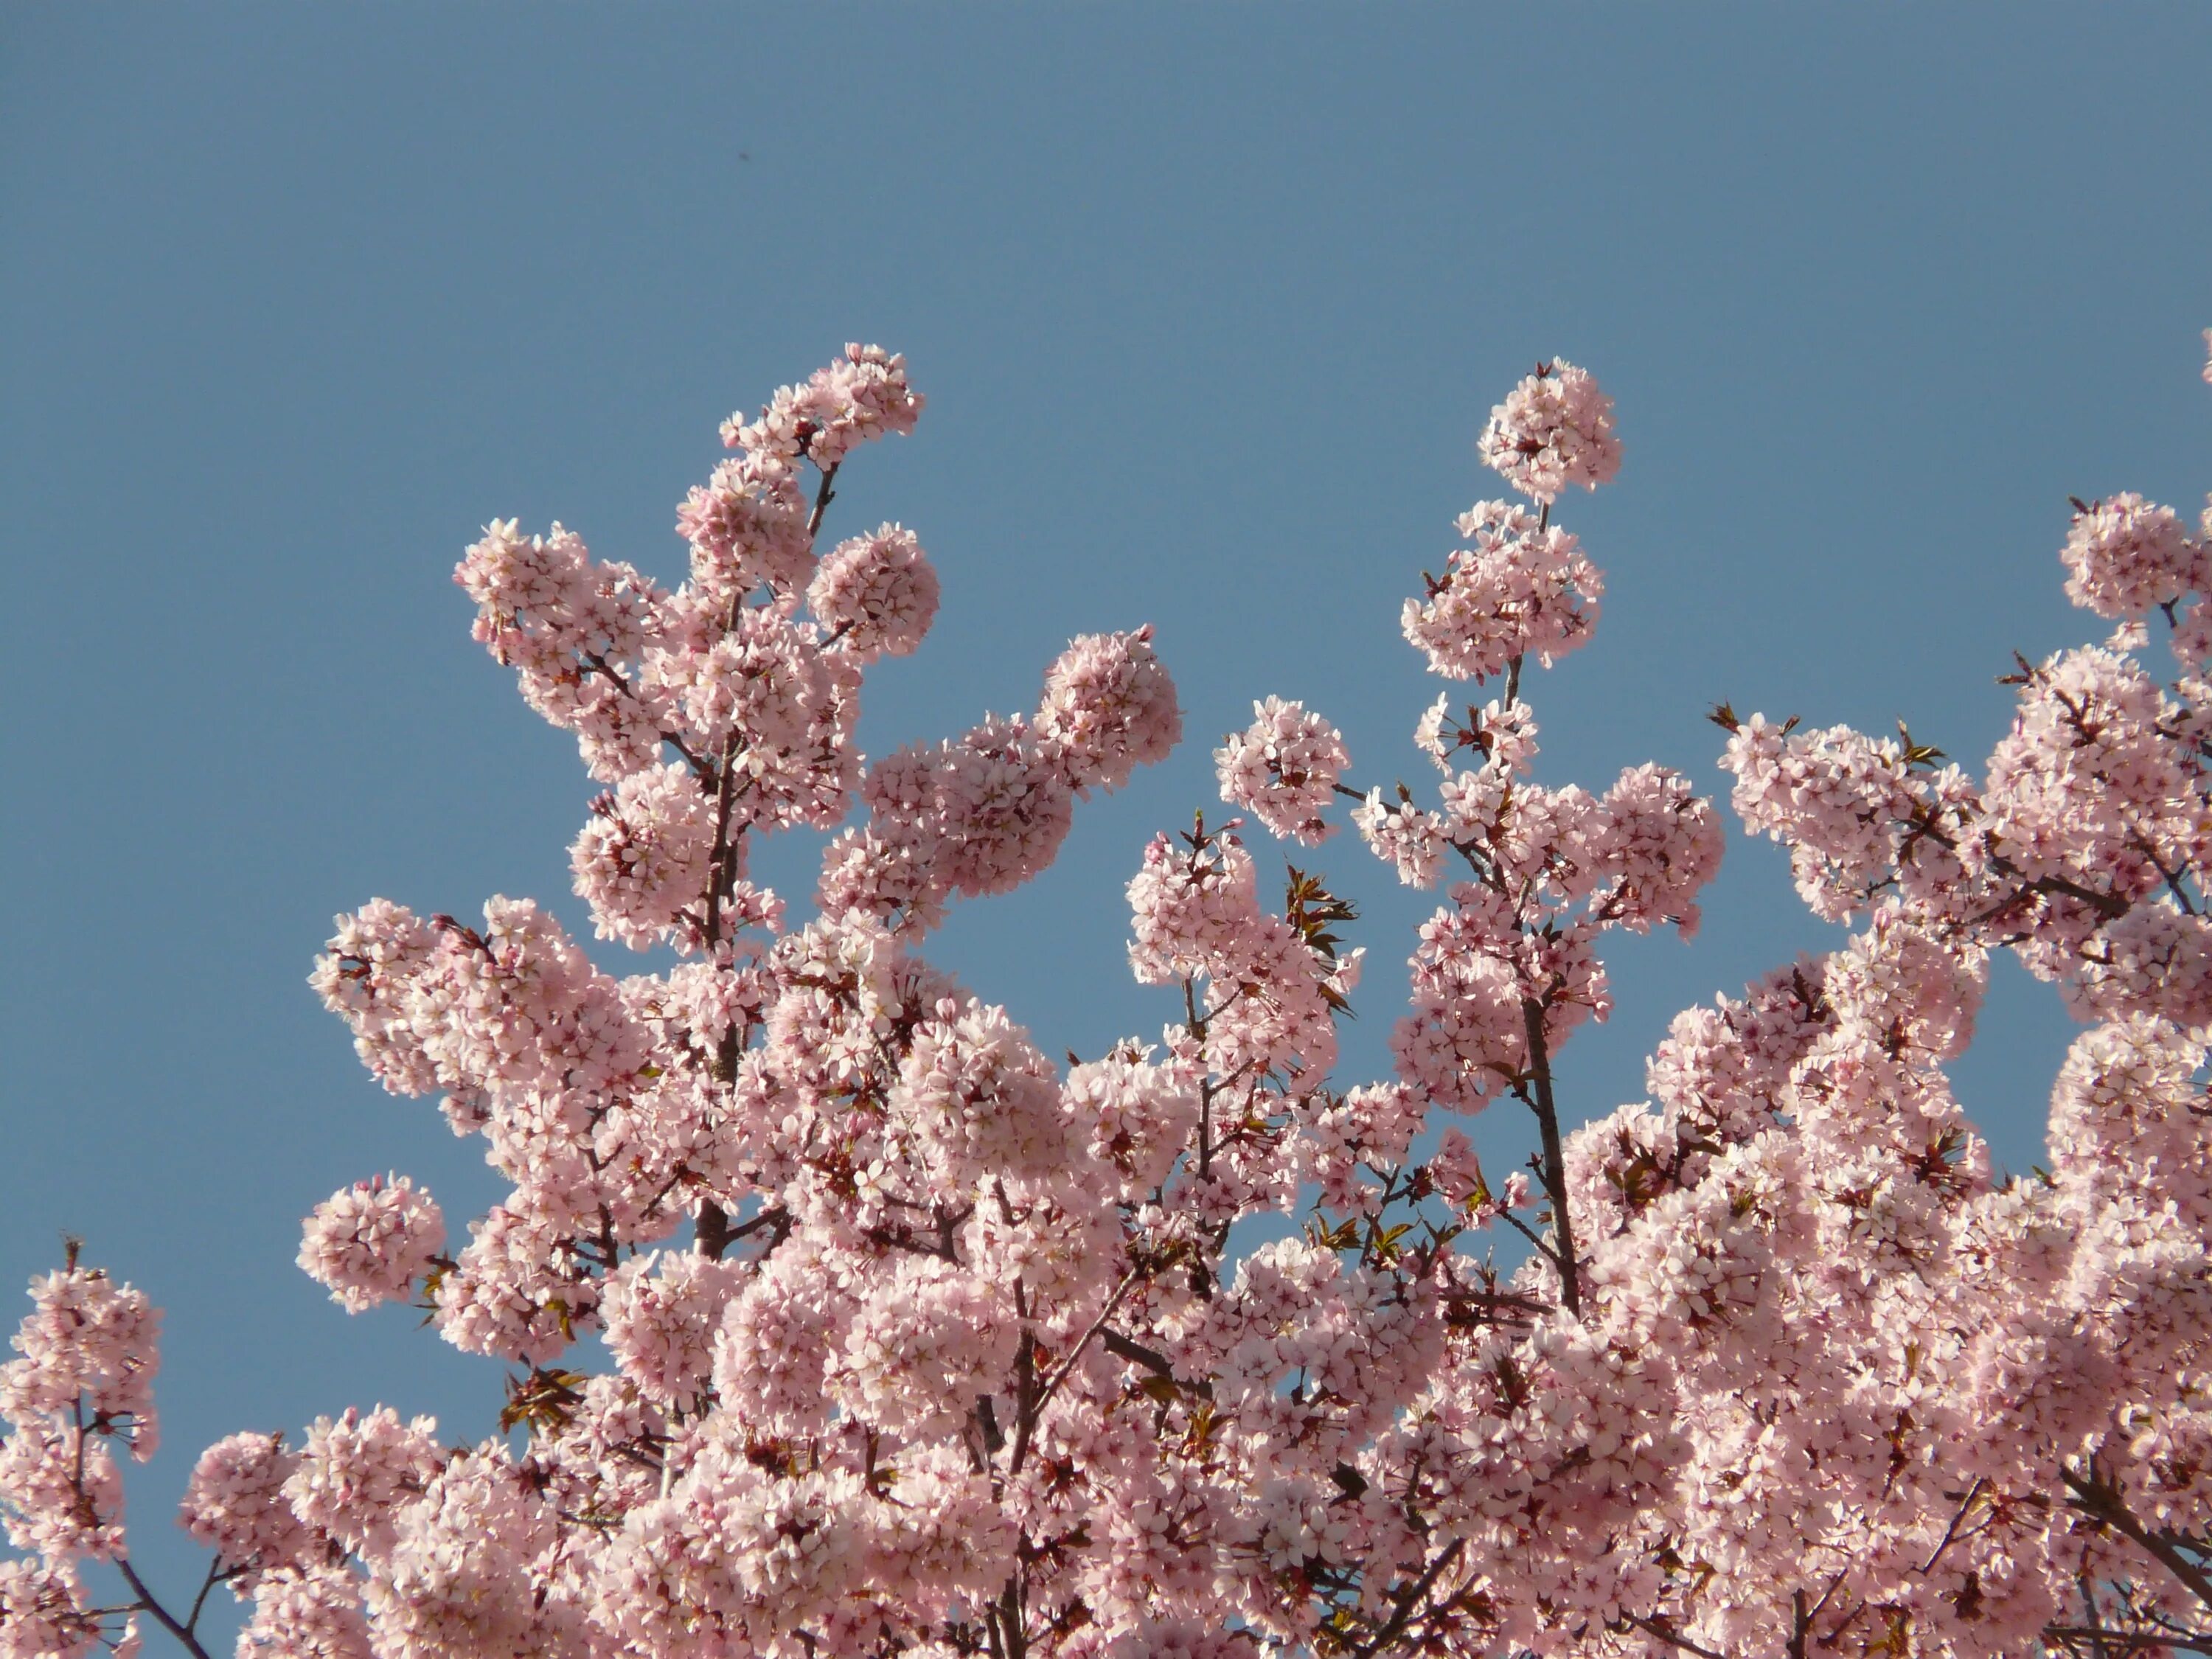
(876, 594)
(1519, 588)
(1109, 708)
(370, 1241)
(310, 1613)
(1282, 768)
(235, 1504)
(2125, 556)
(1553, 431)
(88, 1338)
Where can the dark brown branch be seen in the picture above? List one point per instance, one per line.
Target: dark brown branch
(215, 1575)
(1653, 1628)
(161, 1614)
(1529, 1233)
(823, 495)
(1060, 1371)
(1951, 1531)
(1555, 1163)
(1414, 1596)
(700, 768)
(1027, 1394)
(2196, 1641)
(2102, 1503)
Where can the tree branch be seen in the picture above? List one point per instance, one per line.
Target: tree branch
(161, 1614)
(1555, 1163)
(1415, 1594)
(2102, 1503)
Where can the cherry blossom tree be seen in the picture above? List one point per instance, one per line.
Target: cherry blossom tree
(847, 1322)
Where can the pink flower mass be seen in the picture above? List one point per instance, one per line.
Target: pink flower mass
(846, 1320)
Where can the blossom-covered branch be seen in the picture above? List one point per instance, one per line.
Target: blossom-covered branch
(845, 1322)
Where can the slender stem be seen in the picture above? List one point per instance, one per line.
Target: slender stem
(1151, 1358)
(598, 661)
(2186, 1641)
(1653, 1628)
(1529, 1233)
(823, 494)
(1951, 1531)
(2101, 1503)
(214, 1575)
(1060, 1371)
(161, 1614)
(1025, 1402)
(1555, 1163)
(1414, 1594)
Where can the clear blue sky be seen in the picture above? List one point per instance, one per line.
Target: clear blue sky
(1209, 304)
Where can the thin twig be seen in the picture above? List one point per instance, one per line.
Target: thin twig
(1415, 1594)
(1555, 1163)
(1653, 1628)
(2103, 1503)
(1951, 1531)
(2187, 1641)
(1060, 1371)
(161, 1614)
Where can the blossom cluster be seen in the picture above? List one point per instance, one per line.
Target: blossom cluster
(81, 1387)
(918, 1344)
(1553, 431)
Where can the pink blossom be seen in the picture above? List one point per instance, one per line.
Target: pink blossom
(747, 528)
(236, 1504)
(2125, 556)
(314, 1614)
(370, 1241)
(1659, 847)
(860, 397)
(979, 1096)
(1108, 707)
(457, 1579)
(43, 1613)
(85, 1339)
(357, 1471)
(1282, 768)
(61, 1493)
(922, 1347)
(840, 1319)
(1520, 588)
(660, 1324)
(644, 853)
(876, 593)
(1412, 842)
(1188, 906)
(1553, 431)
